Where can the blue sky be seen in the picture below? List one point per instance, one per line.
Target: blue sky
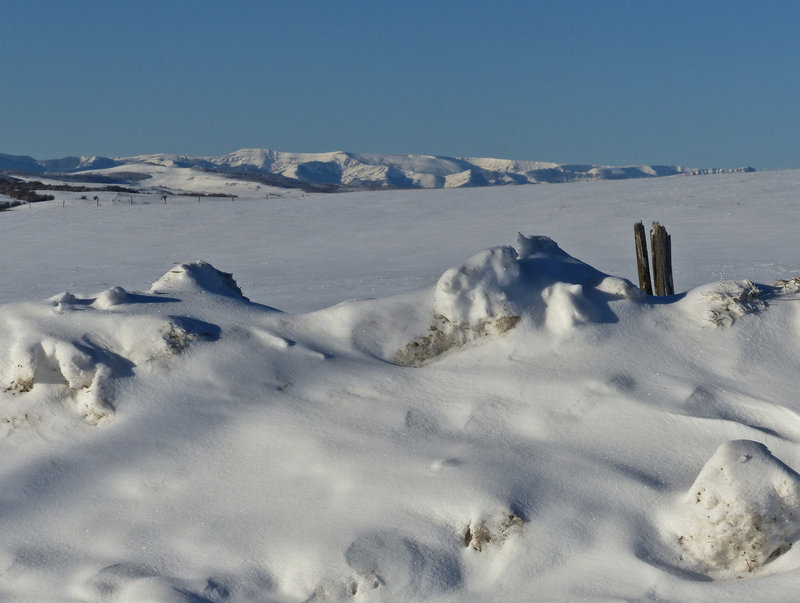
(703, 84)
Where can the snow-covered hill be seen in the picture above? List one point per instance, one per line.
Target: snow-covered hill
(359, 171)
(508, 419)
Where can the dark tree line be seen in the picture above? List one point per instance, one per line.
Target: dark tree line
(26, 190)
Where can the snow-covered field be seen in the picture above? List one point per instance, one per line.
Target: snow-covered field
(503, 422)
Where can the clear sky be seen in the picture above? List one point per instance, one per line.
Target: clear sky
(696, 83)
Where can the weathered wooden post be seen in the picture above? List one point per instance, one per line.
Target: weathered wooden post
(668, 262)
(661, 244)
(641, 258)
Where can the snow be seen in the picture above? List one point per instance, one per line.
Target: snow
(395, 396)
(743, 510)
(358, 170)
(163, 177)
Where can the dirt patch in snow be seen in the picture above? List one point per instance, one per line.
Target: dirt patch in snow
(444, 336)
(495, 529)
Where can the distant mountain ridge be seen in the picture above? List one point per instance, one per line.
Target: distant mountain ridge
(355, 171)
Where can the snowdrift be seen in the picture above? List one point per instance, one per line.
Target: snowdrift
(525, 418)
(494, 289)
(51, 348)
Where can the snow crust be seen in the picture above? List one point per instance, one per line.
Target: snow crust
(554, 433)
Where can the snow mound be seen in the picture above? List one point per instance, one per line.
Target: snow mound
(723, 303)
(476, 292)
(54, 356)
(72, 350)
(194, 276)
(110, 298)
(742, 511)
(728, 301)
(495, 289)
(70, 363)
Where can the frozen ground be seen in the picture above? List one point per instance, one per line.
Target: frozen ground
(504, 422)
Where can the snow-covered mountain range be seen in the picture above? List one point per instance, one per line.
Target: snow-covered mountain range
(353, 171)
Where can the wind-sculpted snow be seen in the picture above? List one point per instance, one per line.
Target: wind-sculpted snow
(495, 289)
(524, 427)
(74, 350)
(470, 294)
(198, 276)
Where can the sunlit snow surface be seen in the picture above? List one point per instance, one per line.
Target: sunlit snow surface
(510, 419)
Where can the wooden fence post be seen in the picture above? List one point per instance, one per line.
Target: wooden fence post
(668, 262)
(661, 244)
(642, 259)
